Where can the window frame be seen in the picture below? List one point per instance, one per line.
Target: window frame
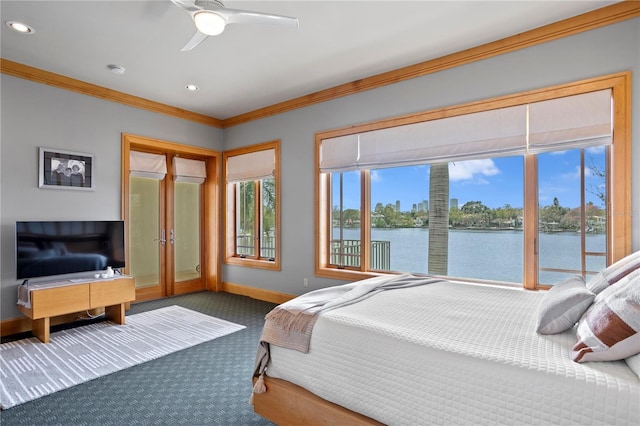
(619, 206)
(229, 196)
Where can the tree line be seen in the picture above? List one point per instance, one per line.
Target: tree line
(474, 214)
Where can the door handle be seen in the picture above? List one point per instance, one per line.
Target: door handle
(162, 238)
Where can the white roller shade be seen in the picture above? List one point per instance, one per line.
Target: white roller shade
(577, 121)
(147, 165)
(251, 166)
(186, 170)
(484, 134)
(339, 154)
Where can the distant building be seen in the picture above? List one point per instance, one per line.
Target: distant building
(398, 206)
(423, 206)
(453, 203)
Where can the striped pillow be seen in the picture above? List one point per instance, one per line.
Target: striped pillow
(614, 273)
(610, 329)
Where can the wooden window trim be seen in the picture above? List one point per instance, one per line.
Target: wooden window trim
(230, 257)
(619, 242)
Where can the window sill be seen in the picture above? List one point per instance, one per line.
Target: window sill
(345, 274)
(351, 275)
(273, 265)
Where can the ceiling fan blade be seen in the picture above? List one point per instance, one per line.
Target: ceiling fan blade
(188, 6)
(197, 38)
(230, 16)
(234, 16)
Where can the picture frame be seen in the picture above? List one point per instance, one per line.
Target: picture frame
(62, 169)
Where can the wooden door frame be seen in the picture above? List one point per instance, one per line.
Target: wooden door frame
(211, 268)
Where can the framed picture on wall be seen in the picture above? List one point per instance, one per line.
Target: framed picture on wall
(65, 170)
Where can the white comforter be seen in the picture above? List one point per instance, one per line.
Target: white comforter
(454, 353)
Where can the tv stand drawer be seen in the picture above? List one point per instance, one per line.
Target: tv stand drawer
(112, 292)
(62, 300)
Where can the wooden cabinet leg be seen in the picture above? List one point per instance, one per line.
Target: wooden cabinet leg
(40, 328)
(115, 313)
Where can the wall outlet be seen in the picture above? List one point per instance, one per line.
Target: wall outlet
(305, 282)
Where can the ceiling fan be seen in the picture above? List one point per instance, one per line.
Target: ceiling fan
(211, 18)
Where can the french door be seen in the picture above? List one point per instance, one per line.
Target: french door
(165, 246)
(169, 221)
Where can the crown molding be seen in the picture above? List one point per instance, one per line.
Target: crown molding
(37, 75)
(608, 15)
(588, 21)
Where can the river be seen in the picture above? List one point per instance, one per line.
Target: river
(491, 255)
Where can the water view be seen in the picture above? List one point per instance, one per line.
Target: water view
(492, 255)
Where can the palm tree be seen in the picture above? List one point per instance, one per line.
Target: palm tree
(438, 261)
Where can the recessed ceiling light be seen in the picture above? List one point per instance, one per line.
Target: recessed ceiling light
(20, 27)
(191, 87)
(116, 69)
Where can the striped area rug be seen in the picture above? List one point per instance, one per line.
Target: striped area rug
(31, 369)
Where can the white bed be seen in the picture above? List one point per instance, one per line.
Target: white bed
(455, 353)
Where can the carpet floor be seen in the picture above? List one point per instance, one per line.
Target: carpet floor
(207, 384)
(32, 369)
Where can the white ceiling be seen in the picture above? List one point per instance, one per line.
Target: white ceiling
(248, 67)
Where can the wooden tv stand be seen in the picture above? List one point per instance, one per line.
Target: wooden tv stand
(66, 297)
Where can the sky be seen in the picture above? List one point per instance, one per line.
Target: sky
(495, 182)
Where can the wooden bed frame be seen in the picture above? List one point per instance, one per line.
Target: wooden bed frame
(287, 404)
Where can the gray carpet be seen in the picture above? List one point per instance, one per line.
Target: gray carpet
(32, 369)
(208, 384)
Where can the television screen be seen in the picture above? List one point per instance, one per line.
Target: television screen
(67, 247)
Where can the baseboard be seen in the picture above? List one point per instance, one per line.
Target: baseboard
(256, 293)
(21, 325)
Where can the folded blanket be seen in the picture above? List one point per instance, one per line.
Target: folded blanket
(24, 294)
(290, 324)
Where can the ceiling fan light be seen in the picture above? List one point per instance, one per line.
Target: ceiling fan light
(209, 23)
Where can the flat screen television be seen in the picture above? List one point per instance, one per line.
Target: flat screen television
(47, 248)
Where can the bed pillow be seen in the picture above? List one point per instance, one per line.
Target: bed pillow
(634, 364)
(614, 273)
(610, 329)
(563, 305)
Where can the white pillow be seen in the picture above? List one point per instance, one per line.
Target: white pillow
(610, 329)
(634, 364)
(563, 305)
(614, 273)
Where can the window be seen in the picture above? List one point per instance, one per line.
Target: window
(252, 213)
(572, 218)
(345, 217)
(525, 192)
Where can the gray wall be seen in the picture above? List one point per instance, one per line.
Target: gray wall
(36, 115)
(603, 51)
